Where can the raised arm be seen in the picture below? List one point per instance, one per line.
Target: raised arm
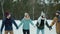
(22, 21)
(54, 21)
(47, 24)
(31, 22)
(14, 23)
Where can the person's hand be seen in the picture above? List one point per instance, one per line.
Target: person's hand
(50, 27)
(35, 26)
(16, 27)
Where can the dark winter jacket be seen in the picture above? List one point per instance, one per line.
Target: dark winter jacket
(41, 23)
(8, 24)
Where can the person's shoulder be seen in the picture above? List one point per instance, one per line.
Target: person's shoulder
(12, 18)
(55, 17)
(40, 17)
(4, 19)
(22, 18)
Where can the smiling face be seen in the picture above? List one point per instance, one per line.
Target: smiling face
(26, 15)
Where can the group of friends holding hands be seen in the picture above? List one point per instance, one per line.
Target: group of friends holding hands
(41, 22)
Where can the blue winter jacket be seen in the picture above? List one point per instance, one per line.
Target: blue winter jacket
(8, 24)
(26, 23)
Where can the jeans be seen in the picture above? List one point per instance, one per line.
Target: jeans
(38, 30)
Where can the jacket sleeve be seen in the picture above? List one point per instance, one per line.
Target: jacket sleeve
(54, 21)
(31, 22)
(47, 24)
(21, 22)
(3, 23)
(14, 23)
(39, 19)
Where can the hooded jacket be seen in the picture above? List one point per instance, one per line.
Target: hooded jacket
(41, 22)
(26, 22)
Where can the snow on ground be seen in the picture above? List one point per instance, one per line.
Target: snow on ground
(32, 28)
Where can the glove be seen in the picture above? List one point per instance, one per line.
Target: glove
(16, 27)
(50, 27)
(34, 26)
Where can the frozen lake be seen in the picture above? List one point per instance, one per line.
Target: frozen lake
(32, 28)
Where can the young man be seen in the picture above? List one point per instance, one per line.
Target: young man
(7, 22)
(57, 21)
(26, 21)
(41, 23)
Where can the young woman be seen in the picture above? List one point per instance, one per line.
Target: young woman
(26, 21)
(7, 22)
(41, 23)
(57, 21)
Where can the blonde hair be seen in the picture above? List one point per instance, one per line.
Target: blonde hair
(26, 14)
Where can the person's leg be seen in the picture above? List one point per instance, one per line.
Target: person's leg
(28, 32)
(6, 32)
(42, 31)
(38, 31)
(24, 31)
(11, 32)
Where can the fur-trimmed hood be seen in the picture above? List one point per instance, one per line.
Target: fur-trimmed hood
(39, 19)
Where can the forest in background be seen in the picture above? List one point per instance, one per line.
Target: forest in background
(33, 7)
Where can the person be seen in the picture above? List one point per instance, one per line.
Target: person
(56, 20)
(7, 22)
(41, 22)
(26, 21)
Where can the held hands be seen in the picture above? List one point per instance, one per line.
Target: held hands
(34, 25)
(50, 27)
(16, 27)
